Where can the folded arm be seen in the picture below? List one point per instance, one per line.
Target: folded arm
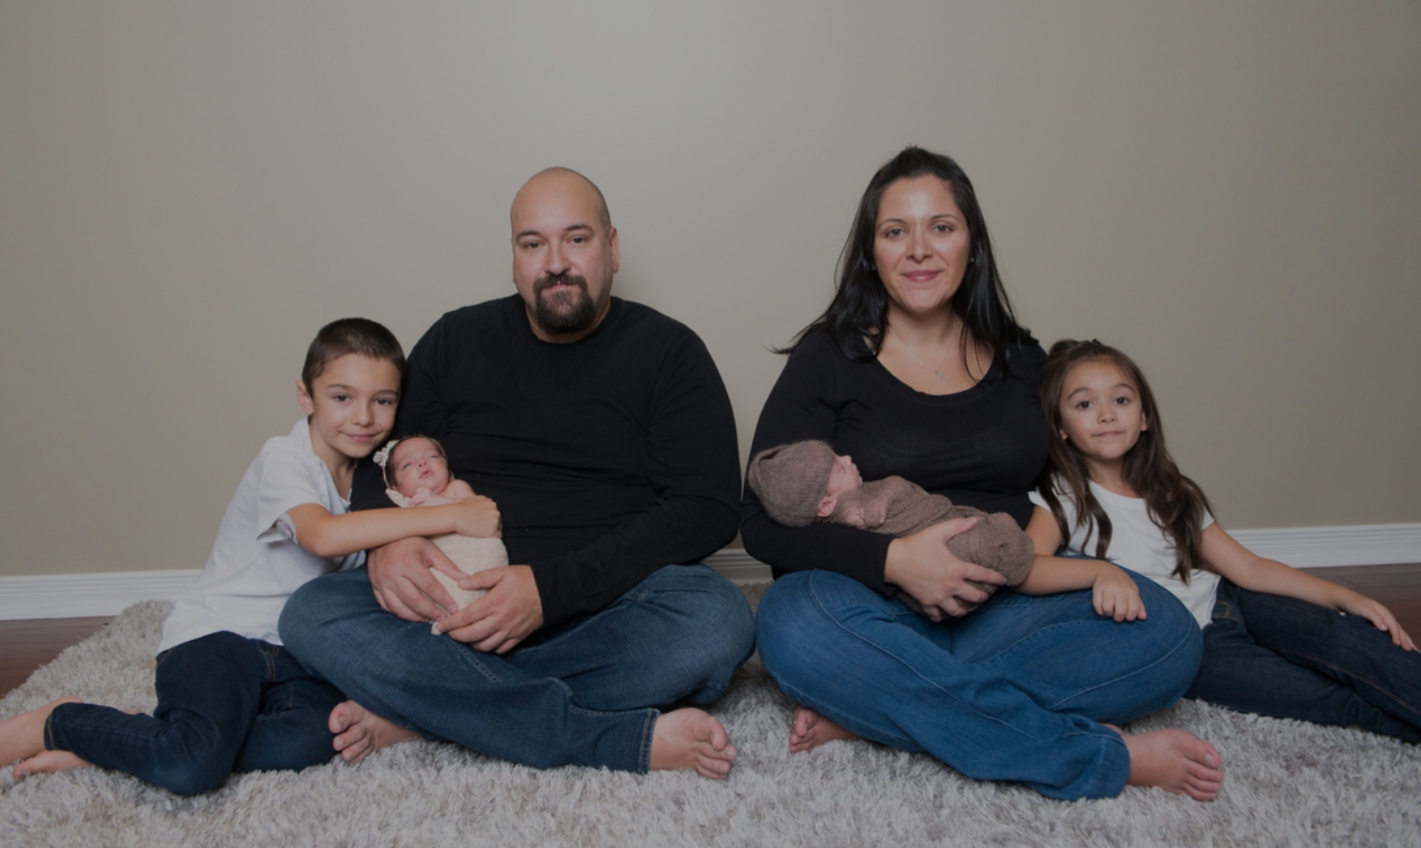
(1113, 592)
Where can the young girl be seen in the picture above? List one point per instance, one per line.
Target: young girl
(1275, 641)
(231, 697)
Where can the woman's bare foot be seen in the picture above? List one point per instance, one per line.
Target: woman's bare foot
(22, 736)
(1175, 761)
(810, 730)
(48, 762)
(360, 732)
(691, 738)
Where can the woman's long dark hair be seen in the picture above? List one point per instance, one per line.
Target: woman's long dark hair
(1176, 504)
(857, 318)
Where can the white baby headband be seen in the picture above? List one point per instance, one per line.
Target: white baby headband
(382, 455)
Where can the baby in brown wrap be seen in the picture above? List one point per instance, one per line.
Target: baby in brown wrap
(804, 482)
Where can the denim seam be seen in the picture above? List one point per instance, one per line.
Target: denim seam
(1406, 708)
(969, 706)
(648, 732)
(1167, 655)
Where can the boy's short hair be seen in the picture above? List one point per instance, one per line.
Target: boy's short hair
(351, 335)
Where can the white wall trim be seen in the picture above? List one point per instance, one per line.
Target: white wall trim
(1328, 547)
(108, 593)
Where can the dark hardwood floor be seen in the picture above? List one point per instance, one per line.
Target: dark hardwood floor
(26, 645)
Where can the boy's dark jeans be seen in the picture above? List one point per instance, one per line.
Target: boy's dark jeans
(225, 704)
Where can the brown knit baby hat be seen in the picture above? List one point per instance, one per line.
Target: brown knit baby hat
(790, 480)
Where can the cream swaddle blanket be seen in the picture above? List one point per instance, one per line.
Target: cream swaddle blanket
(470, 554)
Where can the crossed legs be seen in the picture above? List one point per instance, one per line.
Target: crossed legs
(584, 693)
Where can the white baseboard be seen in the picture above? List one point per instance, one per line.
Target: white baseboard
(1330, 547)
(108, 593)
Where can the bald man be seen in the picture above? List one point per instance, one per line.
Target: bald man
(604, 434)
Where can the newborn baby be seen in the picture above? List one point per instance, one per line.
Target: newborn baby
(417, 470)
(804, 482)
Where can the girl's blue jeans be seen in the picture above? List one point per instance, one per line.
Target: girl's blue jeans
(581, 693)
(1287, 658)
(1014, 691)
(226, 703)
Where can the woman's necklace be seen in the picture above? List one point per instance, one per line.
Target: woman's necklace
(936, 371)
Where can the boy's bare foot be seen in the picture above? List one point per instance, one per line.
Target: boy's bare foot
(1175, 761)
(691, 738)
(360, 732)
(22, 736)
(48, 762)
(810, 730)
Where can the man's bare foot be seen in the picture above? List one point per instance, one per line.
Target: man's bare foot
(48, 762)
(691, 738)
(360, 732)
(22, 736)
(1175, 761)
(810, 730)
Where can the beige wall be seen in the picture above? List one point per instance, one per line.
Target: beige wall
(1230, 192)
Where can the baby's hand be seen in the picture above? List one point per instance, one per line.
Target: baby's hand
(1380, 617)
(457, 490)
(421, 497)
(1115, 595)
(478, 516)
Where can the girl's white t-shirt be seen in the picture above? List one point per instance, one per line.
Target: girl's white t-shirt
(1137, 543)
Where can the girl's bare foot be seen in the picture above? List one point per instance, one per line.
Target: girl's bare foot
(22, 736)
(810, 730)
(691, 738)
(1175, 761)
(360, 732)
(48, 762)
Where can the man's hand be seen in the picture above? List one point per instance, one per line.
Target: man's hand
(504, 617)
(399, 576)
(924, 567)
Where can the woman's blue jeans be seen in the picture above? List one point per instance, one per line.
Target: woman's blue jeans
(1287, 658)
(582, 693)
(1014, 691)
(226, 703)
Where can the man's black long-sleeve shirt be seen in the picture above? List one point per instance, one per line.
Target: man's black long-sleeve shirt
(609, 457)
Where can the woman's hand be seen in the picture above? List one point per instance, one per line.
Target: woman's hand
(922, 566)
(1115, 595)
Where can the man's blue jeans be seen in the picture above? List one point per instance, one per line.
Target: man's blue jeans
(582, 693)
(226, 703)
(1283, 657)
(1013, 691)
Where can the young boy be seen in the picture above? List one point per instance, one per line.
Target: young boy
(230, 697)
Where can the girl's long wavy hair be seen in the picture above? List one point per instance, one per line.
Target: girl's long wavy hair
(857, 318)
(1176, 504)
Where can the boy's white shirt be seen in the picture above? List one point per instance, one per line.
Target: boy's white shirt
(255, 562)
(1138, 544)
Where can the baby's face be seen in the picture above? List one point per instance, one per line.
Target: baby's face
(418, 464)
(843, 477)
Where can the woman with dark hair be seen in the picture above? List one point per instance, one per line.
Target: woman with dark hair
(919, 369)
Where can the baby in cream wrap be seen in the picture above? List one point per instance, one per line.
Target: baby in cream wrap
(417, 472)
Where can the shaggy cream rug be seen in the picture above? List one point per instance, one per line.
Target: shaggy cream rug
(1288, 784)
